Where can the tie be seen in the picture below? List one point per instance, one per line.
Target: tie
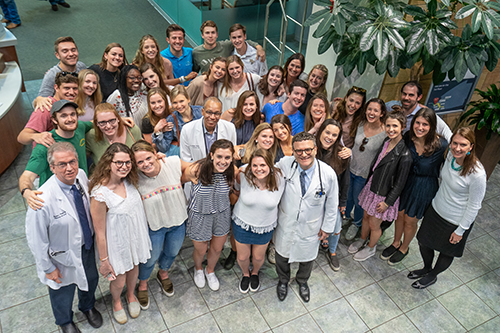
(82, 215)
(303, 182)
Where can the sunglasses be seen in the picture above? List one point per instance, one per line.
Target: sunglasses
(363, 144)
(64, 73)
(358, 89)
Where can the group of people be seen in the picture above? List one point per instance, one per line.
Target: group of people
(135, 157)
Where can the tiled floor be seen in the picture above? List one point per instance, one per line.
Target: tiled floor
(362, 297)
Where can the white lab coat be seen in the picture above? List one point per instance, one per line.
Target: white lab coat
(192, 141)
(55, 236)
(300, 218)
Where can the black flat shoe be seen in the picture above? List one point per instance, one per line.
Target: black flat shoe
(230, 260)
(94, 317)
(70, 328)
(55, 8)
(282, 290)
(65, 4)
(304, 292)
(417, 274)
(419, 285)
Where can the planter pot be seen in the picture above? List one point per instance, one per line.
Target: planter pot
(488, 151)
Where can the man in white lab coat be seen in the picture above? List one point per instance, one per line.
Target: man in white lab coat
(60, 236)
(308, 212)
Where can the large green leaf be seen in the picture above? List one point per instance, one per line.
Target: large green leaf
(487, 27)
(432, 42)
(476, 20)
(414, 11)
(322, 2)
(325, 24)
(368, 38)
(460, 68)
(465, 11)
(446, 2)
(381, 66)
(395, 38)
(359, 26)
(316, 17)
(392, 65)
(381, 45)
(416, 40)
(326, 41)
(340, 25)
(472, 63)
(362, 63)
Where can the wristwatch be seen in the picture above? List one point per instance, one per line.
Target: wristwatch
(23, 190)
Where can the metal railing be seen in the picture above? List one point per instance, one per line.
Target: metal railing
(283, 32)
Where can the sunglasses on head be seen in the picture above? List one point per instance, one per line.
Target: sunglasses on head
(358, 89)
(64, 73)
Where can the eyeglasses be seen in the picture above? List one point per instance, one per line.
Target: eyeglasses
(64, 165)
(215, 114)
(308, 151)
(103, 123)
(119, 164)
(133, 78)
(358, 89)
(363, 144)
(64, 73)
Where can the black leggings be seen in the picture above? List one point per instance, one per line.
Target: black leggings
(443, 262)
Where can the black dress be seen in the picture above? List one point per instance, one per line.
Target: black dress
(107, 80)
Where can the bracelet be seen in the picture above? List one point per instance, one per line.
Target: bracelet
(182, 79)
(23, 190)
(104, 259)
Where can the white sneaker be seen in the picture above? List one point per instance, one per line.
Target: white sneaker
(356, 246)
(213, 281)
(199, 278)
(365, 253)
(351, 232)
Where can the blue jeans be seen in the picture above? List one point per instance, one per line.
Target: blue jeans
(355, 187)
(166, 243)
(333, 240)
(62, 298)
(9, 9)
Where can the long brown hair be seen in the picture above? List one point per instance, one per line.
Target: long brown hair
(106, 107)
(263, 85)
(239, 118)
(227, 78)
(322, 68)
(331, 155)
(341, 113)
(296, 56)
(272, 181)
(102, 171)
(209, 71)
(152, 67)
(153, 118)
(471, 163)
(206, 168)
(360, 117)
(140, 59)
(308, 121)
(104, 63)
(81, 98)
(251, 145)
(431, 140)
(284, 120)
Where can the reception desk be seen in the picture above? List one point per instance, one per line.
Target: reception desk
(12, 114)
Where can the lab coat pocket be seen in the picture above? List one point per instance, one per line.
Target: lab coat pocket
(311, 228)
(61, 257)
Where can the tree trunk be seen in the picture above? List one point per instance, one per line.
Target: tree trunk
(488, 151)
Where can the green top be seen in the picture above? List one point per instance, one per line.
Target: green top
(38, 160)
(97, 149)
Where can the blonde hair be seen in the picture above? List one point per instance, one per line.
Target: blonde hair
(251, 145)
(140, 60)
(81, 98)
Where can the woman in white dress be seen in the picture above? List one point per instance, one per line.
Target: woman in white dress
(120, 225)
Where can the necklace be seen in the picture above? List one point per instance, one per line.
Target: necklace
(453, 165)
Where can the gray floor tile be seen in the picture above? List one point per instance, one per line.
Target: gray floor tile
(399, 288)
(150, 320)
(178, 274)
(351, 276)
(16, 255)
(186, 304)
(300, 325)
(276, 312)
(476, 232)
(378, 268)
(20, 286)
(8, 180)
(492, 190)
(346, 319)
(495, 234)
(432, 317)
(249, 317)
(446, 281)
(205, 323)
(33, 316)
(227, 293)
(11, 201)
(413, 257)
(468, 267)
(373, 305)
(487, 249)
(488, 216)
(488, 327)
(466, 307)
(323, 291)
(12, 226)
(487, 287)
(398, 324)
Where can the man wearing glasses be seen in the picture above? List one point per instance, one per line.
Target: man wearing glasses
(307, 215)
(67, 129)
(198, 135)
(60, 238)
(37, 130)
